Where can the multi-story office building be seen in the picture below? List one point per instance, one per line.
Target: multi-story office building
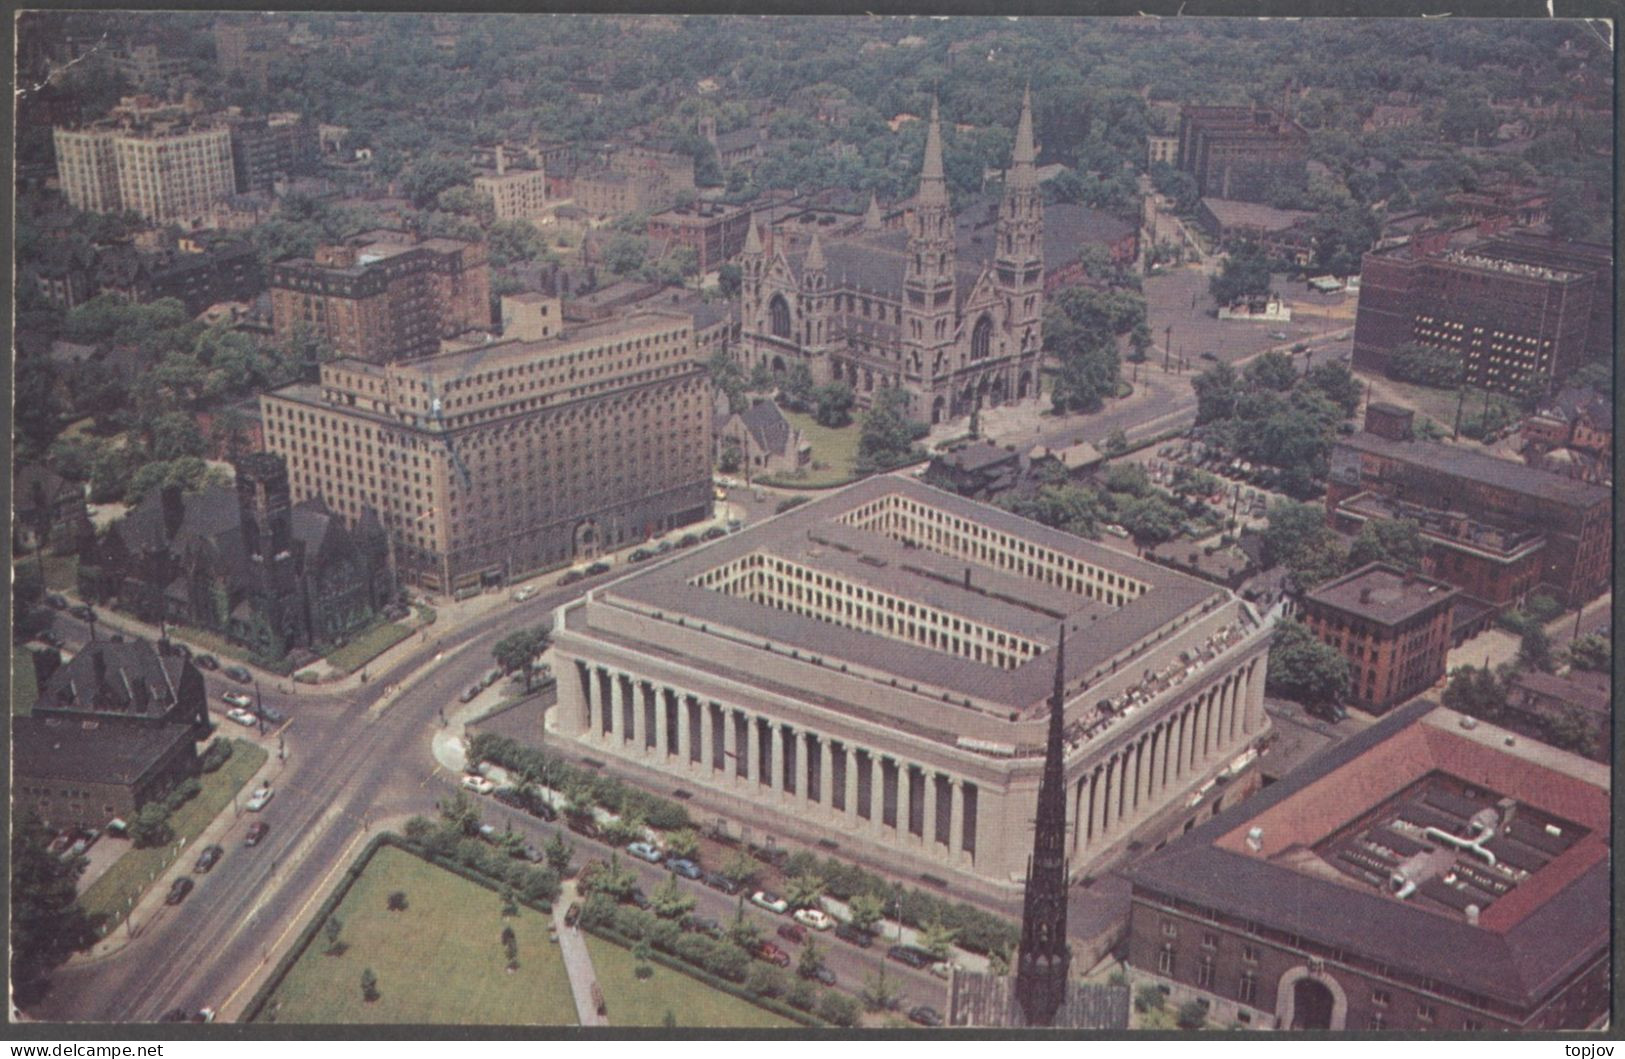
(169, 172)
(383, 301)
(873, 668)
(510, 457)
(715, 231)
(1242, 152)
(1429, 874)
(515, 194)
(1574, 519)
(1519, 310)
(1393, 627)
(265, 147)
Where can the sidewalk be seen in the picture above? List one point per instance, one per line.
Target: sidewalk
(577, 960)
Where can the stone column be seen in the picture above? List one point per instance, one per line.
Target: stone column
(708, 737)
(851, 753)
(928, 822)
(584, 678)
(956, 820)
(1106, 789)
(826, 776)
(681, 700)
(775, 745)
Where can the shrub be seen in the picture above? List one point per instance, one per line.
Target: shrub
(369, 986)
(802, 996)
(397, 901)
(837, 1009)
(182, 792)
(151, 826)
(217, 754)
(1192, 1015)
(1148, 998)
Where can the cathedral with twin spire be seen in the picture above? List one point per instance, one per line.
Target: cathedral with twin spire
(957, 328)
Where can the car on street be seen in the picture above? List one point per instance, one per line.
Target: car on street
(469, 693)
(924, 1015)
(688, 540)
(243, 717)
(597, 568)
(1209, 355)
(792, 933)
(256, 832)
(639, 555)
(82, 612)
(714, 533)
(1279, 336)
(570, 577)
(684, 867)
(718, 881)
(56, 601)
(528, 592)
(208, 858)
(771, 953)
(770, 901)
(178, 891)
(909, 956)
(237, 698)
(644, 851)
(239, 674)
(260, 799)
(824, 975)
(478, 784)
(815, 918)
(206, 662)
(848, 933)
(271, 715)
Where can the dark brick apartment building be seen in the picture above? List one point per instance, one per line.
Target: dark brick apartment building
(1393, 627)
(1431, 873)
(1241, 152)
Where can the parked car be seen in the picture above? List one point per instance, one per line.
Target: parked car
(478, 784)
(489, 832)
(714, 533)
(56, 601)
(924, 1015)
(208, 858)
(178, 891)
(82, 612)
(206, 662)
(570, 577)
(824, 975)
(815, 918)
(684, 867)
(1209, 355)
(848, 933)
(237, 698)
(256, 832)
(639, 555)
(772, 954)
(717, 881)
(260, 799)
(910, 956)
(688, 540)
(243, 717)
(239, 674)
(703, 925)
(469, 693)
(528, 592)
(644, 851)
(792, 933)
(770, 901)
(597, 568)
(638, 899)
(271, 715)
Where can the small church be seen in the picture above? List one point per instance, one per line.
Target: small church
(905, 307)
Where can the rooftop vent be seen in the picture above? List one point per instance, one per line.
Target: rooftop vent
(1255, 839)
(1472, 914)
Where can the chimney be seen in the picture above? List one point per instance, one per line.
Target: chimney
(1472, 915)
(1255, 839)
(502, 161)
(1365, 595)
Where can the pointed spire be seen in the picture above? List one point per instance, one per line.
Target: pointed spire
(1025, 153)
(872, 219)
(1055, 749)
(1045, 958)
(814, 261)
(753, 241)
(933, 186)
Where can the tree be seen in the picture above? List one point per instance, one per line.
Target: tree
(1337, 384)
(151, 826)
(1272, 370)
(729, 280)
(766, 981)
(1245, 275)
(669, 901)
(865, 910)
(461, 813)
(833, 405)
(510, 948)
(728, 378)
(683, 844)
(426, 179)
(559, 853)
(879, 993)
(1476, 692)
(1592, 653)
(332, 928)
(369, 985)
(838, 1009)
(811, 960)
(1150, 519)
(796, 392)
(1394, 541)
(887, 436)
(47, 922)
(1148, 998)
(938, 939)
(1425, 366)
(804, 891)
(1572, 729)
(1217, 390)
(624, 253)
(1192, 1015)
(1535, 650)
(515, 652)
(397, 901)
(1073, 508)
(1303, 669)
(1116, 442)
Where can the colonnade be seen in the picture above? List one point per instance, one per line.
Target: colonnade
(827, 780)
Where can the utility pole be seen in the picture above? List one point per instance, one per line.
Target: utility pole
(1461, 399)
(1167, 344)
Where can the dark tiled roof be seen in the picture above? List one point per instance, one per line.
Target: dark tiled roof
(130, 679)
(1477, 467)
(33, 478)
(48, 749)
(768, 426)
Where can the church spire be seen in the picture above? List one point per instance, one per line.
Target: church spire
(1024, 154)
(1045, 958)
(872, 219)
(753, 241)
(814, 261)
(933, 185)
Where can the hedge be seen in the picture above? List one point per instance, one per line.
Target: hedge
(607, 792)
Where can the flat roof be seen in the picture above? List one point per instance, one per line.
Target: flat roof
(1382, 594)
(48, 748)
(816, 537)
(1479, 467)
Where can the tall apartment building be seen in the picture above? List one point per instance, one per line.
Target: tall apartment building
(715, 231)
(1241, 152)
(1392, 626)
(169, 172)
(383, 301)
(1514, 308)
(511, 457)
(516, 194)
(264, 147)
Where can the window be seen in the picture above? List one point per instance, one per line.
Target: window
(1210, 940)
(1204, 972)
(779, 310)
(1428, 1013)
(1169, 929)
(1165, 960)
(1380, 997)
(1247, 988)
(1249, 953)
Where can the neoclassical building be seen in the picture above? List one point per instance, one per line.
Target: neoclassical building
(953, 326)
(874, 668)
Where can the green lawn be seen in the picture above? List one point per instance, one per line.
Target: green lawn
(631, 1002)
(833, 452)
(440, 961)
(1435, 404)
(211, 643)
(132, 873)
(24, 690)
(367, 646)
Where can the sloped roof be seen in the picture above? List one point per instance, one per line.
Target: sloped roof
(767, 426)
(47, 749)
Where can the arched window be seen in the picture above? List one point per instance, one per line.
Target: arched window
(779, 310)
(981, 339)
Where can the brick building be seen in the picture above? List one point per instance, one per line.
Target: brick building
(126, 686)
(715, 231)
(264, 147)
(1241, 152)
(515, 194)
(383, 301)
(1393, 627)
(510, 457)
(84, 775)
(1540, 702)
(167, 171)
(1516, 308)
(1429, 874)
(47, 511)
(1574, 518)
(1279, 233)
